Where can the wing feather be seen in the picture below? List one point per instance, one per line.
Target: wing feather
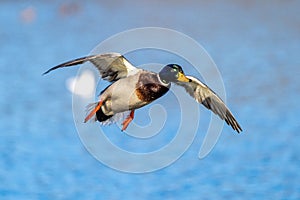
(204, 95)
(111, 66)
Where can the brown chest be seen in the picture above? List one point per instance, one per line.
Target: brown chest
(149, 88)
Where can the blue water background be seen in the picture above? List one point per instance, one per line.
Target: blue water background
(256, 47)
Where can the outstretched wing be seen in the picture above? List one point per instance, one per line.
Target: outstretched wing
(112, 66)
(204, 95)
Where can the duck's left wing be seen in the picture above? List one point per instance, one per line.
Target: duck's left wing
(204, 95)
(112, 66)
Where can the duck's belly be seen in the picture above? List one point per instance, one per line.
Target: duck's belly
(130, 93)
(121, 96)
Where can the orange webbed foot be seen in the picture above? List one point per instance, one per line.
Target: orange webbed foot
(127, 121)
(93, 112)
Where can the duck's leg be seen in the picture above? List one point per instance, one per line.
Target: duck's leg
(128, 120)
(93, 112)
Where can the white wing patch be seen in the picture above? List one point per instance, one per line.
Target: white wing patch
(131, 70)
(196, 81)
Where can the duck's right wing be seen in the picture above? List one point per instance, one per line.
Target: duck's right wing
(204, 95)
(112, 66)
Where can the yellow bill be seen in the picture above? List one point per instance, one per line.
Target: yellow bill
(182, 78)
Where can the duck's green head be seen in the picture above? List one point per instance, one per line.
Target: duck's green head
(173, 73)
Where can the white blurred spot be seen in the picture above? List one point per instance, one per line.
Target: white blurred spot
(83, 85)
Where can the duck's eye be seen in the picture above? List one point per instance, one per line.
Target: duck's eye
(174, 70)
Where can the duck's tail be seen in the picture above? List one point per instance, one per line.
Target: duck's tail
(92, 109)
(95, 113)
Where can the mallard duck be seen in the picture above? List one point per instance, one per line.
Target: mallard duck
(132, 88)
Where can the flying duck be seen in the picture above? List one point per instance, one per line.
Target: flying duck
(132, 88)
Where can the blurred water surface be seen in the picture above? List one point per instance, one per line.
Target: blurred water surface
(256, 47)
